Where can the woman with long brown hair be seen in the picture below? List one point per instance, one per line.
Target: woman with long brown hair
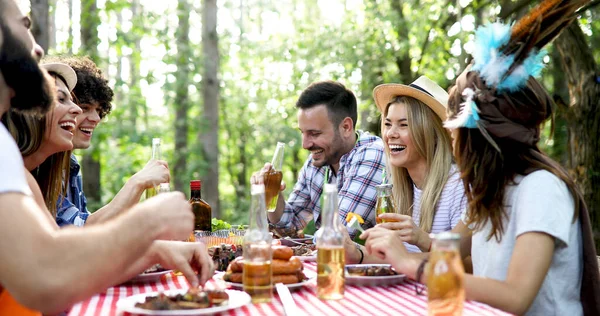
(45, 141)
(531, 245)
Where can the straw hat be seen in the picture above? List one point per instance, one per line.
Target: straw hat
(422, 89)
(64, 71)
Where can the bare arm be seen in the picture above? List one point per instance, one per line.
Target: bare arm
(154, 173)
(47, 274)
(129, 194)
(465, 238)
(528, 267)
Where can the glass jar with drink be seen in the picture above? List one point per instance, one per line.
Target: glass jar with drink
(257, 275)
(330, 249)
(385, 203)
(273, 178)
(445, 276)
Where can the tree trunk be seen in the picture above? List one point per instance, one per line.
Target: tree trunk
(90, 164)
(70, 30)
(90, 20)
(560, 148)
(40, 29)
(583, 117)
(181, 95)
(210, 94)
(403, 60)
(135, 98)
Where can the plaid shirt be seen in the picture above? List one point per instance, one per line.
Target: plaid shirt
(359, 172)
(72, 210)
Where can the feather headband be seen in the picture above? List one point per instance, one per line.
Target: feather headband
(506, 56)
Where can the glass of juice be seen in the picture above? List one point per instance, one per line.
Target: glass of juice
(445, 276)
(272, 179)
(385, 203)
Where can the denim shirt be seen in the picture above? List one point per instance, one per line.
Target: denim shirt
(72, 210)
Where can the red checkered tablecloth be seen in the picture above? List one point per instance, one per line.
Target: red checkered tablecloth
(384, 300)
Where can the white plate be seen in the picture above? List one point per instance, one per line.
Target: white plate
(149, 277)
(236, 299)
(373, 280)
(309, 274)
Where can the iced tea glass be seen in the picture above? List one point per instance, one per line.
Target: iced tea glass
(272, 181)
(445, 276)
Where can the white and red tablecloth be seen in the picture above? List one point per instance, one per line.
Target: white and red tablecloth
(384, 300)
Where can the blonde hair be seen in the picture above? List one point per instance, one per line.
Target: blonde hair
(432, 141)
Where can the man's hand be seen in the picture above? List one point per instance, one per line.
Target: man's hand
(259, 176)
(407, 230)
(171, 212)
(190, 258)
(154, 173)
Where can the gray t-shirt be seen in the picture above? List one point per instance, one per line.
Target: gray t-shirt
(539, 202)
(12, 170)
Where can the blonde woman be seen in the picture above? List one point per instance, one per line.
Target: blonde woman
(427, 189)
(428, 193)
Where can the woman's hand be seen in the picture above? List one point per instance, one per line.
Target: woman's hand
(387, 245)
(350, 248)
(407, 230)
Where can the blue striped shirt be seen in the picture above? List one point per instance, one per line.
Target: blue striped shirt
(72, 209)
(359, 172)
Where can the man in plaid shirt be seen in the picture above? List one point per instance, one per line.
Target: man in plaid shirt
(354, 160)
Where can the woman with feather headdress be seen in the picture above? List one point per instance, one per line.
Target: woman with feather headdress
(526, 226)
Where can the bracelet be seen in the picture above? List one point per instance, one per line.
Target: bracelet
(362, 254)
(418, 286)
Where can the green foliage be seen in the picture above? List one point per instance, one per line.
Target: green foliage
(218, 224)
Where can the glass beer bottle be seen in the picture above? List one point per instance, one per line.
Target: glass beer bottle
(330, 249)
(273, 178)
(150, 192)
(445, 276)
(257, 276)
(385, 203)
(202, 211)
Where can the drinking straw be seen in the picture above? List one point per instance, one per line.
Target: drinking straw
(383, 176)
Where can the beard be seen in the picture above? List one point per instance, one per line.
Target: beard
(21, 72)
(336, 149)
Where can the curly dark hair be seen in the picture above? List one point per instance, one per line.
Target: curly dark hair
(92, 87)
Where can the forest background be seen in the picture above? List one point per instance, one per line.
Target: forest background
(218, 80)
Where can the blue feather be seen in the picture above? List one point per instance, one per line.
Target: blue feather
(488, 39)
(532, 66)
(473, 116)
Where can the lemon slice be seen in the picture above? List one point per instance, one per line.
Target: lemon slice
(354, 215)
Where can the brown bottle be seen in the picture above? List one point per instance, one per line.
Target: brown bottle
(202, 211)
